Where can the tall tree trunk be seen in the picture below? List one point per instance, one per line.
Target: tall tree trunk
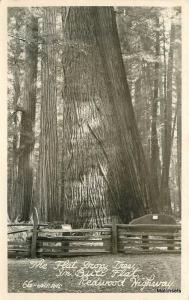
(64, 13)
(164, 191)
(48, 193)
(148, 84)
(12, 203)
(104, 134)
(179, 138)
(141, 108)
(25, 177)
(164, 100)
(179, 109)
(155, 163)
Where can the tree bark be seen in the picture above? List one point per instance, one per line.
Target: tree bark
(12, 172)
(95, 76)
(179, 113)
(24, 182)
(155, 163)
(164, 190)
(48, 192)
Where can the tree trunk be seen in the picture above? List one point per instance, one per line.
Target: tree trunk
(104, 142)
(148, 84)
(25, 177)
(179, 109)
(48, 192)
(164, 191)
(155, 163)
(164, 100)
(12, 172)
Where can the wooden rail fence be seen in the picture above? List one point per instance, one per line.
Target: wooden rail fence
(146, 238)
(41, 241)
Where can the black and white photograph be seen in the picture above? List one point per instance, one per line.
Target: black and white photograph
(94, 148)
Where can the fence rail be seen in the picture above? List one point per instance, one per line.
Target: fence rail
(113, 238)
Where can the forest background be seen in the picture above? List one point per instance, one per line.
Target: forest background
(94, 103)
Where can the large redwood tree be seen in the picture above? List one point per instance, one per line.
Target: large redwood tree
(102, 138)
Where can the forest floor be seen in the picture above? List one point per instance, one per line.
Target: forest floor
(106, 273)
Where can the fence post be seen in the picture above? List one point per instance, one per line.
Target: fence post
(170, 241)
(114, 236)
(35, 233)
(66, 243)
